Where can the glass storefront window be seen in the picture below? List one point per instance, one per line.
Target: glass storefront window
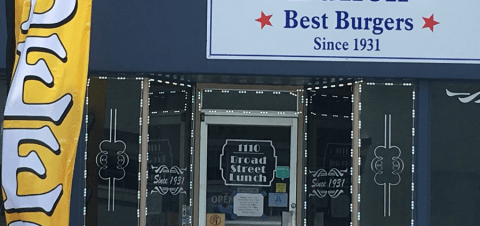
(454, 171)
(117, 163)
(328, 157)
(169, 156)
(257, 165)
(113, 149)
(385, 122)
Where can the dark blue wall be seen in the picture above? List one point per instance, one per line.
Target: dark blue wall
(170, 37)
(3, 36)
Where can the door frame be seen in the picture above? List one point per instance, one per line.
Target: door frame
(301, 138)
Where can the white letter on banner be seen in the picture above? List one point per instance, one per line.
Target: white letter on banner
(22, 223)
(16, 108)
(61, 12)
(13, 163)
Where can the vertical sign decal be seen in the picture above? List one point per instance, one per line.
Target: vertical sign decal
(115, 166)
(387, 176)
(44, 110)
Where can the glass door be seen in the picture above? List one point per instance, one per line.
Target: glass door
(247, 170)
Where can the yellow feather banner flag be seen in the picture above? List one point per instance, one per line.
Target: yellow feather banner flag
(44, 110)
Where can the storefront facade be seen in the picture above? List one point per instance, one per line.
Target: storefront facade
(179, 133)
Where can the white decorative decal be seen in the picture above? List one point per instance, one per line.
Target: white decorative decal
(112, 171)
(387, 173)
(166, 180)
(330, 183)
(464, 97)
(248, 163)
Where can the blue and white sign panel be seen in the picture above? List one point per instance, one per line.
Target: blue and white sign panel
(423, 31)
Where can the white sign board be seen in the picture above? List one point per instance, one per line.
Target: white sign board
(423, 31)
(248, 205)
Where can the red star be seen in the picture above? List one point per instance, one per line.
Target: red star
(430, 22)
(264, 19)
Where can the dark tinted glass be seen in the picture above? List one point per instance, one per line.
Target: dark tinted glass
(249, 100)
(169, 129)
(386, 155)
(112, 152)
(455, 172)
(328, 157)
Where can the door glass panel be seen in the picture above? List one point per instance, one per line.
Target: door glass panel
(112, 152)
(168, 164)
(242, 182)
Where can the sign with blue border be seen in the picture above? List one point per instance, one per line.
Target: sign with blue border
(420, 31)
